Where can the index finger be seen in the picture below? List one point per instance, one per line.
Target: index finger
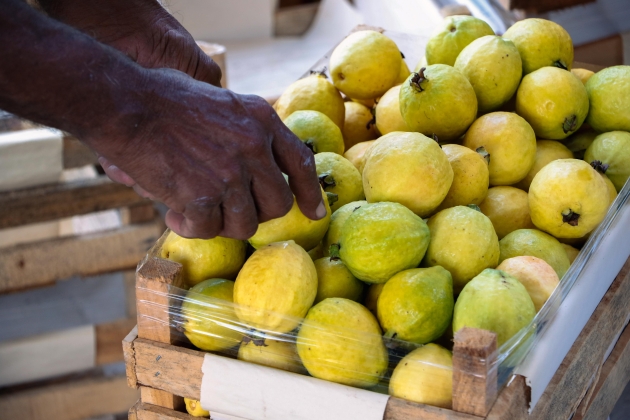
(296, 160)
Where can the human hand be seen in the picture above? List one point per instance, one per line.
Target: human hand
(141, 29)
(213, 157)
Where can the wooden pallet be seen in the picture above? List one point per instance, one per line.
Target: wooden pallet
(69, 399)
(37, 251)
(166, 372)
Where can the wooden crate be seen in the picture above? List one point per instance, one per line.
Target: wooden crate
(587, 383)
(165, 372)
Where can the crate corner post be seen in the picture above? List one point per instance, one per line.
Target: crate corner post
(475, 378)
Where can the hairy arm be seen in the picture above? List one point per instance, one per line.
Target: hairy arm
(213, 157)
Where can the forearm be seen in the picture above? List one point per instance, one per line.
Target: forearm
(112, 20)
(49, 72)
(142, 29)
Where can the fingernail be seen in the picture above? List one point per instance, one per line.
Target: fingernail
(321, 211)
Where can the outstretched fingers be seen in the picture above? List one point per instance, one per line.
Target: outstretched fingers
(296, 160)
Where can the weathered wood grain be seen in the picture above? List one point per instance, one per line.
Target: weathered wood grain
(144, 411)
(474, 371)
(513, 401)
(614, 376)
(56, 201)
(161, 398)
(399, 409)
(176, 370)
(36, 264)
(154, 278)
(573, 378)
(129, 355)
(108, 338)
(76, 400)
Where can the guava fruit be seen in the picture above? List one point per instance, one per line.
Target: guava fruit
(340, 341)
(494, 301)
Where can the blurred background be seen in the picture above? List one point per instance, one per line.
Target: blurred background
(70, 239)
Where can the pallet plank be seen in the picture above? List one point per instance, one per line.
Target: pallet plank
(37, 264)
(51, 202)
(571, 381)
(108, 338)
(75, 400)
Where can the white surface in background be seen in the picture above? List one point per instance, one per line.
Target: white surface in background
(47, 355)
(266, 67)
(225, 20)
(30, 157)
(416, 17)
(593, 21)
(578, 306)
(262, 393)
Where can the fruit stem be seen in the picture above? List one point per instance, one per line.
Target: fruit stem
(334, 252)
(484, 154)
(560, 64)
(256, 337)
(417, 79)
(570, 124)
(474, 207)
(570, 217)
(371, 122)
(599, 166)
(321, 72)
(327, 180)
(332, 198)
(310, 144)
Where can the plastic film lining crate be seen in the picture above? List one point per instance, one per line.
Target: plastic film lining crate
(570, 370)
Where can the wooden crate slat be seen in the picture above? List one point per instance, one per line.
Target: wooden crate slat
(129, 355)
(572, 379)
(37, 264)
(56, 201)
(513, 401)
(161, 398)
(399, 409)
(176, 370)
(613, 378)
(144, 411)
(474, 371)
(153, 280)
(77, 400)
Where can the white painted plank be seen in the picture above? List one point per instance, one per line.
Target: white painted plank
(30, 157)
(47, 355)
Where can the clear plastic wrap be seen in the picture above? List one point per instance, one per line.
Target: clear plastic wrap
(341, 353)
